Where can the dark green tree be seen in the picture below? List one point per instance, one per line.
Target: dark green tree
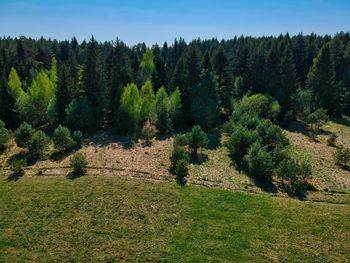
(205, 107)
(321, 82)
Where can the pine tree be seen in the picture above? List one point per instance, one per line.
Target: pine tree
(220, 63)
(94, 81)
(118, 74)
(321, 82)
(288, 80)
(206, 64)
(205, 108)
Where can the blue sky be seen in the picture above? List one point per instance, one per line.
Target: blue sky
(135, 21)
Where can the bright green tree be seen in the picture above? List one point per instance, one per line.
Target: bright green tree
(148, 101)
(129, 114)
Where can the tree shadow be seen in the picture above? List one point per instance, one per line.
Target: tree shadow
(266, 186)
(343, 121)
(105, 138)
(198, 158)
(60, 155)
(14, 177)
(344, 167)
(214, 139)
(75, 175)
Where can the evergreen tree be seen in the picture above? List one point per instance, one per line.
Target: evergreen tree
(205, 108)
(94, 81)
(288, 80)
(321, 82)
(220, 63)
(206, 64)
(118, 74)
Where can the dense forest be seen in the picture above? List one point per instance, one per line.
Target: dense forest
(93, 85)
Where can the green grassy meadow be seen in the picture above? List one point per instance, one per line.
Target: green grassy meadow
(109, 219)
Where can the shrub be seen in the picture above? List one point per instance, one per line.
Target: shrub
(17, 167)
(181, 171)
(38, 145)
(5, 135)
(271, 135)
(181, 140)
(240, 141)
(62, 139)
(23, 134)
(332, 140)
(178, 153)
(296, 172)
(316, 120)
(259, 162)
(342, 156)
(260, 105)
(197, 139)
(78, 137)
(78, 163)
(147, 134)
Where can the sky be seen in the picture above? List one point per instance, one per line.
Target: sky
(135, 21)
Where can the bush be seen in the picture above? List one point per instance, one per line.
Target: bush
(5, 136)
(316, 120)
(296, 172)
(197, 139)
(147, 134)
(78, 137)
(259, 105)
(62, 139)
(78, 163)
(271, 135)
(240, 141)
(259, 163)
(181, 140)
(332, 140)
(23, 134)
(178, 153)
(38, 145)
(17, 167)
(342, 156)
(181, 171)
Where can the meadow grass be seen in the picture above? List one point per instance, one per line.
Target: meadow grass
(106, 219)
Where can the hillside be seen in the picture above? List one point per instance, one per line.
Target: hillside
(110, 219)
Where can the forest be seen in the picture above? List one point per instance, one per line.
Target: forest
(88, 85)
(203, 151)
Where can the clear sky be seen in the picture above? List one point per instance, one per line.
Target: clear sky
(153, 21)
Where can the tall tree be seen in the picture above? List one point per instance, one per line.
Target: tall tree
(288, 80)
(221, 66)
(205, 108)
(321, 81)
(94, 81)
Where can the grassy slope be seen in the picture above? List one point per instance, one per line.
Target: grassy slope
(96, 219)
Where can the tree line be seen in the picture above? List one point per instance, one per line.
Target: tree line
(91, 85)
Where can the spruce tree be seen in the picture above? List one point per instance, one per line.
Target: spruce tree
(220, 63)
(94, 81)
(205, 107)
(288, 80)
(321, 82)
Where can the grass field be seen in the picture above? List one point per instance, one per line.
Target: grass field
(100, 219)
